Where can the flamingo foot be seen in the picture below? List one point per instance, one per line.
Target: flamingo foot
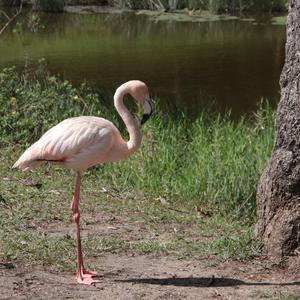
(85, 277)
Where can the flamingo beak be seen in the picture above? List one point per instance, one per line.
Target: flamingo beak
(148, 109)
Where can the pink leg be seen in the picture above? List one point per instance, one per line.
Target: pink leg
(81, 275)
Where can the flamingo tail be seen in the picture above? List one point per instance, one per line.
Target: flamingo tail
(29, 160)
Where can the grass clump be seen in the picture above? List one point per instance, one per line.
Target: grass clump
(39, 249)
(279, 20)
(235, 247)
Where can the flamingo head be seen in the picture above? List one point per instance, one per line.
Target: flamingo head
(139, 91)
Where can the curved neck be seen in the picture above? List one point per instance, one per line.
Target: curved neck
(135, 136)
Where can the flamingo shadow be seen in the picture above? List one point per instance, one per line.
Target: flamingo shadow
(201, 282)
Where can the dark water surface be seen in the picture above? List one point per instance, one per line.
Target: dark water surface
(233, 63)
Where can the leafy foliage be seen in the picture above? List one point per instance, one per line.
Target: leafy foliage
(29, 105)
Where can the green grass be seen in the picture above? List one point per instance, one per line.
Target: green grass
(191, 186)
(287, 296)
(279, 20)
(240, 246)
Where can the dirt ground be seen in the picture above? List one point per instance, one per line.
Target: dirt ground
(148, 277)
(131, 276)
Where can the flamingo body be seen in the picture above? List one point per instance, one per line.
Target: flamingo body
(77, 143)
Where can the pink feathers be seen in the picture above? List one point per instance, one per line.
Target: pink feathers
(76, 143)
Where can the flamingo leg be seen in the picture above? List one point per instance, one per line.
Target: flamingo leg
(82, 275)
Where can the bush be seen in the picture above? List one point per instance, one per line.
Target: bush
(31, 105)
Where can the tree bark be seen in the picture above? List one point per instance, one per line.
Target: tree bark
(278, 193)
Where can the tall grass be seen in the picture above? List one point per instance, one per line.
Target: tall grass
(210, 161)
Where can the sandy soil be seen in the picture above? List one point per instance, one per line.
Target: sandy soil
(148, 277)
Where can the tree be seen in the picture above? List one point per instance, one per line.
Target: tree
(278, 193)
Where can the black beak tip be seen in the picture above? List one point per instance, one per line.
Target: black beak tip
(145, 118)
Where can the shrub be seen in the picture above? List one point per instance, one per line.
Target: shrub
(30, 105)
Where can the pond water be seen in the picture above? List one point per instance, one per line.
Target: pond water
(231, 63)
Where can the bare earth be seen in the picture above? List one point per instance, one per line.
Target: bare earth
(148, 277)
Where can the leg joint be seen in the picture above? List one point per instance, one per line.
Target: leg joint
(76, 216)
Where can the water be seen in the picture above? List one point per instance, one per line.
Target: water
(231, 63)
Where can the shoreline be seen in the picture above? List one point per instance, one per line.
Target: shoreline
(183, 15)
(176, 15)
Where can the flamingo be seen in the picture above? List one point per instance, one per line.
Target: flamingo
(82, 142)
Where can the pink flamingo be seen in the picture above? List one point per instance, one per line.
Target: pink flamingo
(81, 142)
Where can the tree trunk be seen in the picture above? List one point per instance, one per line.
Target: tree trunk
(278, 193)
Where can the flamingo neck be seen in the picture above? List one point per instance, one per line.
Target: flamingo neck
(130, 122)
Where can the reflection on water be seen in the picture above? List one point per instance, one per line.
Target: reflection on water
(233, 63)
